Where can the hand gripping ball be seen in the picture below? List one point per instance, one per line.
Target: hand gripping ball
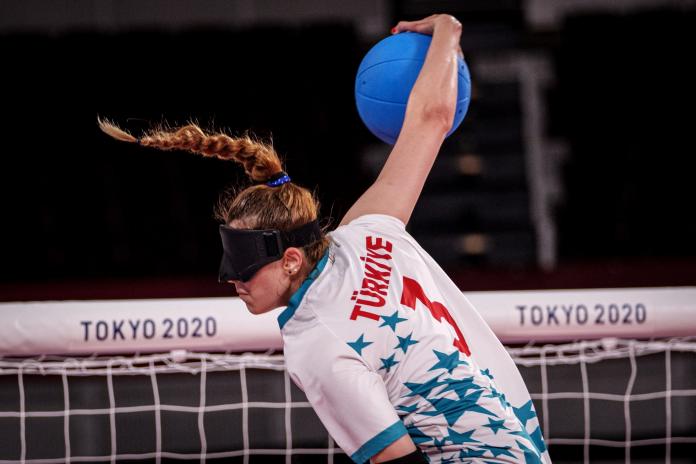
(385, 78)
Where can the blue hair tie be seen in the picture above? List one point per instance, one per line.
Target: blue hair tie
(278, 179)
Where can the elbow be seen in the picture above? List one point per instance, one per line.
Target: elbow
(439, 117)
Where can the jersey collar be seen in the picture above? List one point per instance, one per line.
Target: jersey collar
(296, 297)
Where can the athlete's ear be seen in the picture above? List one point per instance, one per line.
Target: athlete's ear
(292, 260)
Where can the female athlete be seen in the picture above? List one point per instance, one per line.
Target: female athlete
(397, 364)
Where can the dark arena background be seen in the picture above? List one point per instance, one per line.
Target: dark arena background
(574, 168)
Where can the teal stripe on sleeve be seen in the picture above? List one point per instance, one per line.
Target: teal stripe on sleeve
(380, 441)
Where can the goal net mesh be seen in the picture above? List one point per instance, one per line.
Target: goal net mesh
(608, 400)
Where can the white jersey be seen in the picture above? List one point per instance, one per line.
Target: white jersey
(383, 343)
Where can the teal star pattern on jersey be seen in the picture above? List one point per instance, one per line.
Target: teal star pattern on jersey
(461, 438)
(530, 457)
(447, 361)
(496, 425)
(439, 443)
(405, 342)
(501, 397)
(392, 320)
(388, 363)
(471, 453)
(423, 389)
(538, 440)
(525, 412)
(417, 435)
(498, 450)
(460, 386)
(471, 401)
(470, 395)
(408, 409)
(453, 409)
(524, 434)
(535, 438)
(359, 344)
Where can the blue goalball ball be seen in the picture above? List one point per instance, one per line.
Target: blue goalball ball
(385, 78)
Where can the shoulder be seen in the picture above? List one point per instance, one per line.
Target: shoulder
(376, 221)
(304, 334)
(370, 225)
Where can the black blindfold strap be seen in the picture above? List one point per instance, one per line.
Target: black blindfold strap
(246, 251)
(303, 235)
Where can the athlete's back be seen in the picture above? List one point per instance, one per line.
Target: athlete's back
(383, 318)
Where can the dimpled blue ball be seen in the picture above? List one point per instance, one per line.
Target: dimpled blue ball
(385, 78)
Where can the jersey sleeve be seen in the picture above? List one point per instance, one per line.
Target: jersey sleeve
(350, 399)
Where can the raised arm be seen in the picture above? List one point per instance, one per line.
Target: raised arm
(429, 116)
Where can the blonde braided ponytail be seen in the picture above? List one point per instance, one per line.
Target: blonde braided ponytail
(284, 207)
(260, 160)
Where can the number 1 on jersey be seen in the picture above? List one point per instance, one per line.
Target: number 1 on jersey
(413, 291)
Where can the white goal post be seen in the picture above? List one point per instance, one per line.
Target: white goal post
(224, 324)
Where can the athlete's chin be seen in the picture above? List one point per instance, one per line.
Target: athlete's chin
(252, 308)
(255, 306)
(249, 304)
(256, 309)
